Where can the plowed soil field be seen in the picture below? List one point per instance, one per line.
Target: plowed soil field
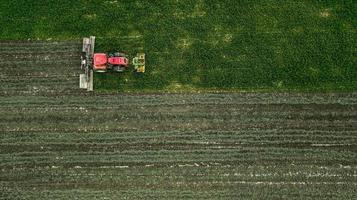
(33, 68)
(58, 142)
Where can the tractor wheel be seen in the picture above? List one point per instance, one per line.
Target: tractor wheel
(121, 55)
(100, 71)
(118, 69)
(110, 66)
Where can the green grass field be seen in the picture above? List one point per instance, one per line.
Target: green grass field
(205, 46)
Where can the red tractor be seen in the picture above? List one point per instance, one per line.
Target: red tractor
(117, 62)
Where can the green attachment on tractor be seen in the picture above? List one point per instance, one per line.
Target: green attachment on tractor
(139, 62)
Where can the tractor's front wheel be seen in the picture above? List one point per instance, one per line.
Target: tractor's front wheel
(110, 66)
(117, 54)
(118, 69)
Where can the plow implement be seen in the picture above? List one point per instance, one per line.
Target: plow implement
(86, 79)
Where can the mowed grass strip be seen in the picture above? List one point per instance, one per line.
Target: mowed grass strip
(205, 46)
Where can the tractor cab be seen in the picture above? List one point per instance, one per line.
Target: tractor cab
(100, 62)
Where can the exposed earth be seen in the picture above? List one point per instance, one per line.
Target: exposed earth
(58, 142)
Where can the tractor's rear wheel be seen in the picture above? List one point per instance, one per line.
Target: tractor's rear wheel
(100, 71)
(110, 66)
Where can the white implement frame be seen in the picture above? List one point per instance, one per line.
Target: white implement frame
(86, 79)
